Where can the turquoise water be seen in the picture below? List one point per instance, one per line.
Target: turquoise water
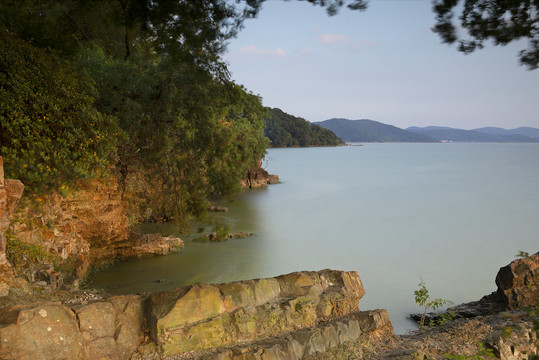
(451, 214)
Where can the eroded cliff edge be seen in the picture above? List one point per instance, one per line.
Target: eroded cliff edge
(56, 239)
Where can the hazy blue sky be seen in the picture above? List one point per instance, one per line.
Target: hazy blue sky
(383, 64)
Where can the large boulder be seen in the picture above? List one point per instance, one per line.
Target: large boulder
(108, 329)
(258, 178)
(203, 317)
(47, 331)
(518, 282)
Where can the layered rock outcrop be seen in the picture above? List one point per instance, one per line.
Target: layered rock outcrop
(81, 229)
(290, 317)
(303, 315)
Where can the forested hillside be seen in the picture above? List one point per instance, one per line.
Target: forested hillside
(286, 130)
(90, 88)
(478, 135)
(371, 131)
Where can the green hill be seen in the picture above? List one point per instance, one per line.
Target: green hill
(488, 134)
(371, 131)
(285, 130)
(524, 131)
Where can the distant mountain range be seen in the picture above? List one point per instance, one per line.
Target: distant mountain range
(373, 131)
(486, 134)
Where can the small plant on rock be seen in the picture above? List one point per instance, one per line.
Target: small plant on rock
(422, 298)
(483, 354)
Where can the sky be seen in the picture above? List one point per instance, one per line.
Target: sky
(383, 64)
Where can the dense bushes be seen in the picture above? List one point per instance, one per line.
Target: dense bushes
(135, 87)
(50, 133)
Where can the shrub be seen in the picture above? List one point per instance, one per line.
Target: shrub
(50, 133)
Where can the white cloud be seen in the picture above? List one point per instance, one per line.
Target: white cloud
(330, 39)
(253, 50)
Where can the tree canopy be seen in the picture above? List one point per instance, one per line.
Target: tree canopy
(50, 133)
(501, 21)
(136, 87)
(140, 87)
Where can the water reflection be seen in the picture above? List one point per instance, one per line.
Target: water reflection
(452, 214)
(235, 259)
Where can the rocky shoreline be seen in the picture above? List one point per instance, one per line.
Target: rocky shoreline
(302, 315)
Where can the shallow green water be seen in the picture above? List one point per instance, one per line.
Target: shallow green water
(452, 214)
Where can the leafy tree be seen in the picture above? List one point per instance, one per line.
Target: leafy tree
(50, 133)
(157, 79)
(498, 20)
(422, 298)
(191, 135)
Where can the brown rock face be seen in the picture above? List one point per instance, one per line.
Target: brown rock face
(87, 227)
(518, 282)
(108, 329)
(80, 228)
(10, 193)
(258, 178)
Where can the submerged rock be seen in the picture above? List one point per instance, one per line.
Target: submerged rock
(214, 237)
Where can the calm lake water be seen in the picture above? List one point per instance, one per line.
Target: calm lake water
(451, 214)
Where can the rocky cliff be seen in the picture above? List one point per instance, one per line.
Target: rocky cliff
(72, 232)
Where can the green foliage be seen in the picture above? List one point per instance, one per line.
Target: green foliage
(21, 254)
(135, 84)
(500, 21)
(285, 130)
(522, 254)
(190, 133)
(422, 298)
(220, 232)
(50, 133)
(442, 319)
(482, 354)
